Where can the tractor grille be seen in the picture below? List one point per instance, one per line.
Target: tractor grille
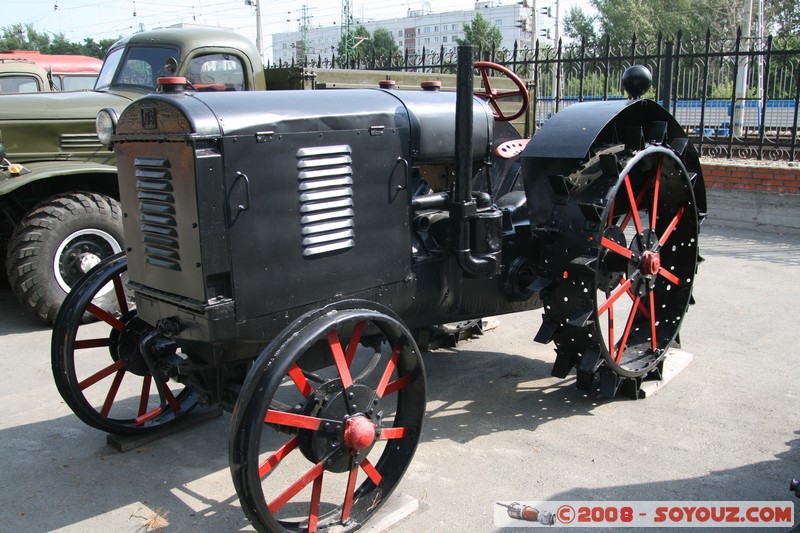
(326, 199)
(79, 141)
(159, 227)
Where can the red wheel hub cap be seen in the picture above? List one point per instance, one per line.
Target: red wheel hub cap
(359, 433)
(651, 263)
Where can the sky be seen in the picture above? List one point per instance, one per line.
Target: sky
(78, 19)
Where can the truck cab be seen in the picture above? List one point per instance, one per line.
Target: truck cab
(60, 213)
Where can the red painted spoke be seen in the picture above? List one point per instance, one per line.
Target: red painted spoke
(339, 359)
(107, 371)
(611, 213)
(300, 380)
(611, 340)
(387, 372)
(352, 346)
(396, 385)
(371, 471)
(617, 248)
(106, 317)
(112, 393)
(656, 185)
(313, 508)
(653, 342)
(273, 460)
(630, 214)
(140, 420)
(628, 327)
(673, 223)
(91, 343)
(292, 420)
(173, 403)
(296, 487)
(348, 494)
(393, 433)
(120, 290)
(619, 291)
(642, 308)
(669, 276)
(637, 222)
(144, 398)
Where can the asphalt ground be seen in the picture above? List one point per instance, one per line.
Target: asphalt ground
(498, 427)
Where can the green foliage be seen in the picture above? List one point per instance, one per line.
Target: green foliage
(352, 43)
(478, 34)
(578, 25)
(25, 37)
(383, 44)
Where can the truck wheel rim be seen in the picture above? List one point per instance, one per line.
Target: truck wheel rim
(79, 253)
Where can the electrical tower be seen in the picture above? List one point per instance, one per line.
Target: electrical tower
(348, 39)
(305, 22)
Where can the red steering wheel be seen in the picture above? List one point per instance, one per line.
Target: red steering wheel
(493, 95)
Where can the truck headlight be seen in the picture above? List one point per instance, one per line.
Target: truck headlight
(105, 125)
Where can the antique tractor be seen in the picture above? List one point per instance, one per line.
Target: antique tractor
(285, 251)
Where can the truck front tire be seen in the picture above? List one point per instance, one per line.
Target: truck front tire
(56, 243)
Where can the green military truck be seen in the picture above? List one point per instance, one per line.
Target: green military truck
(58, 186)
(22, 76)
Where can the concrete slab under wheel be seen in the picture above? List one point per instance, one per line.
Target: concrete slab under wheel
(674, 363)
(124, 443)
(396, 508)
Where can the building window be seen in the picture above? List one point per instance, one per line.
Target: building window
(427, 29)
(427, 40)
(498, 22)
(444, 39)
(436, 39)
(454, 27)
(435, 28)
(400, 33)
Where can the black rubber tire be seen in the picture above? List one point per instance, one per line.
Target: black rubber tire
(69, 225)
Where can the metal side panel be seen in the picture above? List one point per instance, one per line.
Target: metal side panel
(324, 215)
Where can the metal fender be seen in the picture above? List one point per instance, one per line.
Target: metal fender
(570, 138)
(42, 170)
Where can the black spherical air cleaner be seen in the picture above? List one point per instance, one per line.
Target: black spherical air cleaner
(636, 80)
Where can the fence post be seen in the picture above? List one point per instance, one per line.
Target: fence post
(734, 113)
(765, 84)
(582, 68)
(676, 66)
(666, 82)
(704, 95)
(606, 67)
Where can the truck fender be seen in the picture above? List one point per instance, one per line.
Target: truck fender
(43, 170)
(570, 137)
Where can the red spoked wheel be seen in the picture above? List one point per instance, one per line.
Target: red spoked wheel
(328, 421)
(493, 96)
(624, 283)
(647, 262)
(99, 367)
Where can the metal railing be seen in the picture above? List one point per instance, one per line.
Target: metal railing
(735, 97)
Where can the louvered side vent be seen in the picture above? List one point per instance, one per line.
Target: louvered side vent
(79, 141)
(326, 199)
(157, 210)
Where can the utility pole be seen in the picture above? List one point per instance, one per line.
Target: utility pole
(257, 5)
(305, 19)
(741, 73)
(347, 35)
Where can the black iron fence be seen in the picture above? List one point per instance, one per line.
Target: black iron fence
(736, 97)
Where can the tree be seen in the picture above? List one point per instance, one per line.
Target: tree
(578, 25)
(382, 45)
(352, 43)
(478, 34)
(25, 37)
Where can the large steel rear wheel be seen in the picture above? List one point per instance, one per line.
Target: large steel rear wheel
(100, 368)
(327, 421)
(623, 277)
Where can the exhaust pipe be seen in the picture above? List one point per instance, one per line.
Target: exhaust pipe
(464, 208)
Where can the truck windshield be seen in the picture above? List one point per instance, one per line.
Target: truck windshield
(141, 66)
